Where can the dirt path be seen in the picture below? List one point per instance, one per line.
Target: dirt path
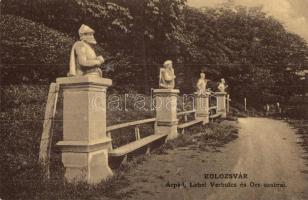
(266, 150)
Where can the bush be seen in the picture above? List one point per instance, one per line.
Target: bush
(22, 121)
(32, 52)
(22, 118)
(297, 112)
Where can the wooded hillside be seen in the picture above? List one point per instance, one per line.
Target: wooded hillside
(251, 50)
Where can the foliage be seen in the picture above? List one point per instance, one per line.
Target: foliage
(255, 54)
(204, 138)
(22, 114)
(156, 35)
(253, 51)
(299, 111)
(36, 54)
(31, 55)
(67, 15)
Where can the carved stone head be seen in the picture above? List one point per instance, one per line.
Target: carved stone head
(168, 64)
(202, 75)
(86, 34)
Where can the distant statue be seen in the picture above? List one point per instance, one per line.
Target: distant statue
(166, 76)
(222, 85)
(83, 60)
(267, 109)
(201, 84)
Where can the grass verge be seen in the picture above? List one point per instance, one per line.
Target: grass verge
(207, 138)
(31, 184)
(302, 131)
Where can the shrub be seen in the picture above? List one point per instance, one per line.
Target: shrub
(22, 121)
(297, 112)
(32, 52)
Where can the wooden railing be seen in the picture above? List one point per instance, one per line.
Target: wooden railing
(128, 124)
(120, 153)
(212, 108)
(185, 113)
(186, 122)
(146, 141)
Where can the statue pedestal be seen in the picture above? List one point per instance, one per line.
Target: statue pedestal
(85, 144)
(202, 107)
(221, 103)
(228, 103)
(166, 112)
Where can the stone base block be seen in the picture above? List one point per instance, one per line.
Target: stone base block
(204, 117)
(171, 131)
(221, 103)
(202, 107)
(223, 113)
(90, 167)
(86, 161)
(170, 128)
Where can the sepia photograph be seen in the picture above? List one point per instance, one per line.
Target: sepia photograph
(154, 100)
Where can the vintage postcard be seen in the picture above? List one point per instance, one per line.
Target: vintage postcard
(154, 99)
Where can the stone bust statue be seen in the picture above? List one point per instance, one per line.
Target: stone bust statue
(222, 85)
(201, 84)
(83, 60)
(166, 76)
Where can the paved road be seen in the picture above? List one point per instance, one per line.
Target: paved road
(266, 150)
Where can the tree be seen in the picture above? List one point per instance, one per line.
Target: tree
(255, 54)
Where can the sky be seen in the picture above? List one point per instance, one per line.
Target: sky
(292, 13)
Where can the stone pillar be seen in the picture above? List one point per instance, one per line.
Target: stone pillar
(202, 107)
(221, 103)
(166, 112)
(228, 103)
(85, 144)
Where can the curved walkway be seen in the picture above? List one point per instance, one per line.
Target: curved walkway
(266, 150)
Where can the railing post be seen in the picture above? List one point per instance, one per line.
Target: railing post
(221, 103)
(166, 112)
(85, 143)
(202, 107)
(137, 133)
